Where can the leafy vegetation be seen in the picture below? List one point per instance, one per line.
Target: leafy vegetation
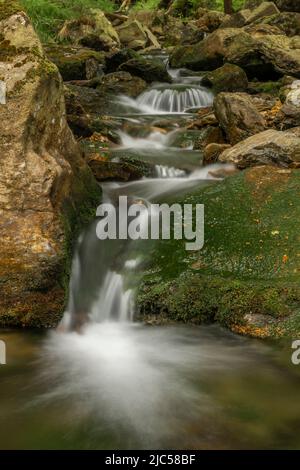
(49, 15)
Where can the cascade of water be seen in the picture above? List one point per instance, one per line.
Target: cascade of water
(155, 140)
(169, 99)
(175, 98)
(163, 171)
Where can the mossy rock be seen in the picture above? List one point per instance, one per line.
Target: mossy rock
(8, 8)
(247, 275)
(109, 166)
(73, 62)
(227, 78)
(150, 70)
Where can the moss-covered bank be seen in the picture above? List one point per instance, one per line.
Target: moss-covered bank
(247, 275)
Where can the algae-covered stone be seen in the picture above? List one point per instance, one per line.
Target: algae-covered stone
(46, 188)
(249, 265)
(121, 167)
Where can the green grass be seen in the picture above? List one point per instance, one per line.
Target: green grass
(146, 5)
(49, 15)
(192, 5)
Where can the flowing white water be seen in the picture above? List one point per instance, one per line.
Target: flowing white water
(123, 372)
(155, 140)
(175, 98)
(171, 99)
(163, 171)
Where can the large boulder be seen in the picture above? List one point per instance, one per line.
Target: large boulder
(134, 35)
(260, 54)
(123, 83)
(88, 110)
(237, 116)
(76, 62)
(94, 31)
(46, 187)
(227, 78)
(150, 70)
(263, 10)
(287, 22)
(114, 61)
(268, 147)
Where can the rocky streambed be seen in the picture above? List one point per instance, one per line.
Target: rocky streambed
(160, 109)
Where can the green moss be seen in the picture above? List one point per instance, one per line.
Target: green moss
(8, 8)
(271, 87)
(71, 61)
(250, 262)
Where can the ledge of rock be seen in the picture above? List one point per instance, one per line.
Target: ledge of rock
(46, 188)
(268, 147)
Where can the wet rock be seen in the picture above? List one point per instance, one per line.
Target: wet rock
(268, 147)
(121, 168)
(226, 78)
(94, 31)
(114, 61)
(237, 116)
(46, 187)
(76, 63)
(150, 70)
(123, 83)
(88, 110)
(261, 55)
(110, 163)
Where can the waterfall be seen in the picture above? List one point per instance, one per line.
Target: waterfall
(169, 99)
(163, 171)
(175, 98)
(155, 140)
